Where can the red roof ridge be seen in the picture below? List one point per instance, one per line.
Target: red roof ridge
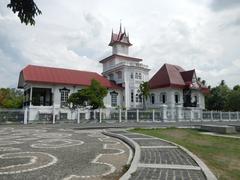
(166, 65)
(67, 69)
(53, 75)
(122, 56)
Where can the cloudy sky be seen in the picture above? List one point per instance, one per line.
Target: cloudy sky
(202, 35)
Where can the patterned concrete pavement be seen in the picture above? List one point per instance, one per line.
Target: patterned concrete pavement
(50, 153)
(159, 159)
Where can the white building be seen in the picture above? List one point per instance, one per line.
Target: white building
(46, 89)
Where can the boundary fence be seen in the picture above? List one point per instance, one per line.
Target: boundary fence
(121, 116)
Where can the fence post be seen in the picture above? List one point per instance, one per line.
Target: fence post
(220, 115)
(78, 118)
(120, 115)
(25, 116)
(153, 115)
(237, 116)
(126, 115)
(54, 115)
(137, 115)
(100, 115)
(211, 115)
(164, 112)
(229, 116)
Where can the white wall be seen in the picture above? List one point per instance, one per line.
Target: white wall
(34, 110)
(170, 97)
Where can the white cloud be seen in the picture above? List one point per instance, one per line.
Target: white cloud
(75, 34)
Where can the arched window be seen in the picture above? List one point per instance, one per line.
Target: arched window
(153, 98)
(64, 92)
(163, 98)
(132, 96)
(113, 98)
(177, 98)
(131, 75)
(137, 97)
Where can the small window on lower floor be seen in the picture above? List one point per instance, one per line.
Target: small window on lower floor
(176, 98)
(163, 98)
(152, 98)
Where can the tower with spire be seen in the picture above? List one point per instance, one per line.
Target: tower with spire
(120, 42)
(125, 70)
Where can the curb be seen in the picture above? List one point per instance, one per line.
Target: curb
(207, 172)
(136, 156)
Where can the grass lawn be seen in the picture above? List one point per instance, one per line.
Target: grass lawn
(220, 154)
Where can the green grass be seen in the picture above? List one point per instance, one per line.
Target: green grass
(220, 154)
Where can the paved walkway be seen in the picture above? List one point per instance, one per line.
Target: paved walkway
(163, 160)
(49, 153)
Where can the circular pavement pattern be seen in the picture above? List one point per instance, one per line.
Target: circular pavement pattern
(56, 143)
(37, 160)
(52, 135)
(50, 152)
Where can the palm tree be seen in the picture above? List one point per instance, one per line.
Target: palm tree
(144, 92)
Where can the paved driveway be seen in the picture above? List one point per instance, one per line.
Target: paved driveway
(47, 152)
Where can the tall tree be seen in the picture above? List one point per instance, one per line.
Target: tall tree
(144, 92)
(92, 95)
(217, 98)
(26, 10)
(11, 98)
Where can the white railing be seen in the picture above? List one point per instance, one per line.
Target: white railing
(162, 114)
(135, 64)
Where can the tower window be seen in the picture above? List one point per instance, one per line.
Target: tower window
(137, 98)
(132, 96)
(119, 74)
(136, 75)
(131, 75)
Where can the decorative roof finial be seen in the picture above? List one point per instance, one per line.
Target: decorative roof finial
(120, 30)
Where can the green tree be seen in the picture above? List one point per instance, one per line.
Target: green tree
(26, 10)
(217, 98)
(233, 100)
(144, 92)
(92, 95)
(11, 98)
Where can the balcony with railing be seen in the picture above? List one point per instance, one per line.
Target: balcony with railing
(134, 64)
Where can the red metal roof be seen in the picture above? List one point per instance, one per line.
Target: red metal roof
(50, 75)
(121, 37)
(173, 76)
(121, 57)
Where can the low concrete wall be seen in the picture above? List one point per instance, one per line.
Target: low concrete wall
(237, 127)
(219, 129)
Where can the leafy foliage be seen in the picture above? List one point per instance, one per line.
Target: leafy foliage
(25, 9)
(11, 98)
(144, 92)
(92, 95)
(222, 98)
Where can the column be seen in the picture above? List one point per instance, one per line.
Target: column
(137, 115)
(30, 103)
(179, 112)
(25, 116)
(120, 115)
(53, 114)
(100, 115)
(126, 118)
(78, 116)
(153, 115)
(164, 112)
